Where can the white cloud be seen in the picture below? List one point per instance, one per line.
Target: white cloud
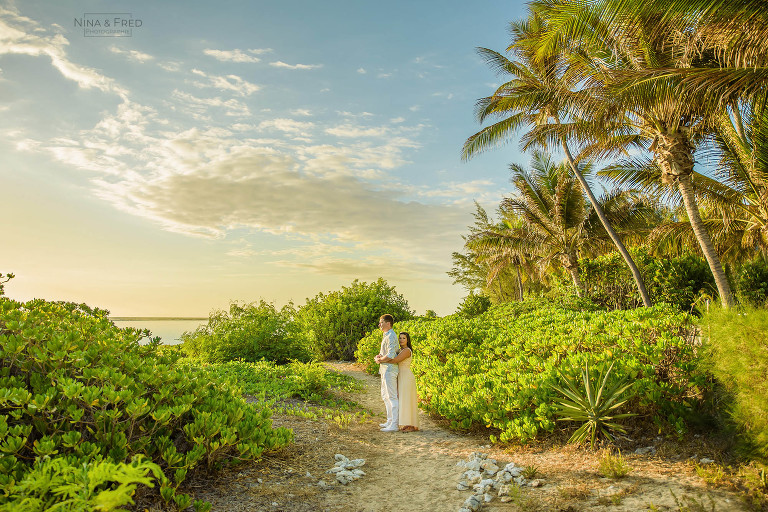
(22, 36)
(226, 83)
(132, 54)
(301, 112)
(237, 55)
(200, 106)
(348, 130)
(281, 64)
(362, 71)
(287, 125)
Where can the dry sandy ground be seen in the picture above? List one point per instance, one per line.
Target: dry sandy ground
(414, 472)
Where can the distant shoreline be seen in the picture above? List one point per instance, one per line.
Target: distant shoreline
(153, 318)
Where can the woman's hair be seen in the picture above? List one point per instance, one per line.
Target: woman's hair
(407, 337)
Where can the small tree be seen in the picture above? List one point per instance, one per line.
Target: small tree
(336, 321)
(473, 305)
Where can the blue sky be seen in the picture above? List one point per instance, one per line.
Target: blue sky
(242, 150)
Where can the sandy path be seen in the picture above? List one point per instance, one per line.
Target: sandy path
(414, 472)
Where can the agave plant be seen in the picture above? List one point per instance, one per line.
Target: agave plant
(594, 402)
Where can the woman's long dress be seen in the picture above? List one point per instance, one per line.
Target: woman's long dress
(406, 394)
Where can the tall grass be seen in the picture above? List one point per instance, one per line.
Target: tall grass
(735, 346)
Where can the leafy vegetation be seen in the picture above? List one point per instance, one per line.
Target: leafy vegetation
(336, 321)
(735, 348)
(270, 382)
(89, 415)
(498, 369)
(613, 465)
(248, 332)
(592, 402)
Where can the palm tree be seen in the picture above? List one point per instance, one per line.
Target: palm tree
(736, 202)
(490, 269)
(550, 219)
(727, 36)
(538, 93)
(654, 115)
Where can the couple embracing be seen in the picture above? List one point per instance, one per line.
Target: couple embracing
(398, 385)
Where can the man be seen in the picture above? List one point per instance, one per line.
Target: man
(388, 372)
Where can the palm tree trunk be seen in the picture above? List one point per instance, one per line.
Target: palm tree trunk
(576, 280)
(571, 264)
(705, 242)
(611, 232)
(519, 283)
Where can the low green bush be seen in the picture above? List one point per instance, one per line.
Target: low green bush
(335, 321)
(90, 418)
(751, 283)
(473, 305)
(498, 369)
(269, 381)
(248, 332)
(679, 281)
(736, 352)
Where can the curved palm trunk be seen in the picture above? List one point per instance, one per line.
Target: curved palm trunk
(705, 242)
(611, 232)
(571, 264)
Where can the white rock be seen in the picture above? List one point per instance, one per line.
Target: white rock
(473, 465)
(647, 449)
(308, 475)
(705, 460)
(521, 481)
(260, 480)
(535, 483)
(488, 482)
(461, 486)
(504, 477)
(473, 476)
(509, 467)
(506, 499)
(515, 472)
(357, 463)
(504, 490)
(358, 472)
(339, 456)
(473, 502)
(490, 467)
(488, 497)
(335, 469)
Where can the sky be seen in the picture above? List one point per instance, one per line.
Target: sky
(203, 152)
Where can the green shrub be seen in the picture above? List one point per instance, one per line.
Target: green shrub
(336, 321)
(673, 280)
(250, 332)
(308, 381)
(751, 283)
(473, 305)
(736, 352)
(82, 399)
(497, 369)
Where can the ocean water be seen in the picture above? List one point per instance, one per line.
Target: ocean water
(169, 331)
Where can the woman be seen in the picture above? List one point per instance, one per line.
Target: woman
(406, 384)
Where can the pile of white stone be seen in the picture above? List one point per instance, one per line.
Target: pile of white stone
(487, 480)
(346, 470)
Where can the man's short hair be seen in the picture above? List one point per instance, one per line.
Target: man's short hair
(387, 318)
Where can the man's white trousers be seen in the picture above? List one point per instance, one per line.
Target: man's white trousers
(389, 395)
